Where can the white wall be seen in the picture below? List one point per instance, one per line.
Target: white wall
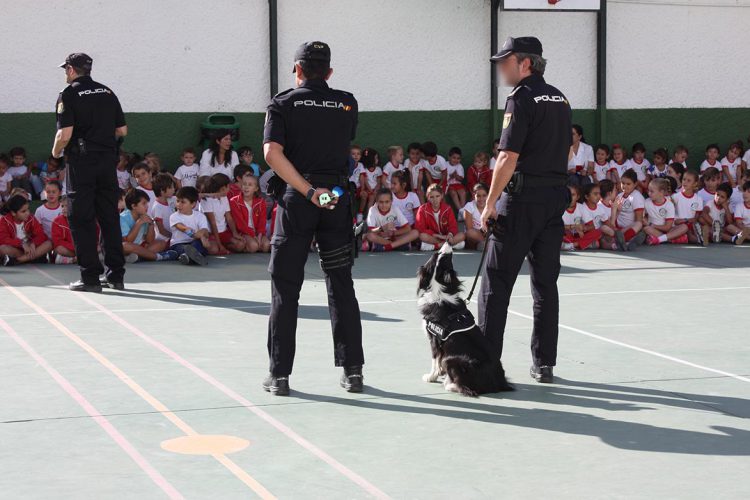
(396, 54)
(684, 55)
(569, 45)
(157, 55)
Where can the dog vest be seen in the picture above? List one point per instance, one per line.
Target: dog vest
(458, 322)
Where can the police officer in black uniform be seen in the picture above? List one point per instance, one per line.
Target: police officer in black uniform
(532, 166)
(90, 124)
(306, 142)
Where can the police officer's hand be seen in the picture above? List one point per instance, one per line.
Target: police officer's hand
(488, 213)
(316, 199)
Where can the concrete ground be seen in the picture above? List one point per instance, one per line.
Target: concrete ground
(156, 392)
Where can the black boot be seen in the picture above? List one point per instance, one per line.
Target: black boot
(352, 379)
(278, 386)
(542, 374)
(80, 286)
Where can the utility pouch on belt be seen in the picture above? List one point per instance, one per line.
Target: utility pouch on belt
(81, 147)
(515, 185)
(276, 186)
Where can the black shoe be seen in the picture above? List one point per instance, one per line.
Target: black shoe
(80, 286)
(278, 386)
(542, 374)
(117, 285)
(352, 379)
(7, 261)
(195, 256)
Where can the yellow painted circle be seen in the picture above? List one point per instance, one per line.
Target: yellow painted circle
(205, 444)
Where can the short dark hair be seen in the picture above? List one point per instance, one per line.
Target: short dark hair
(161, 183)
(746, 186)
(725, 188)
(678, 167)
(134, 197)
(630, 174)
(414, 146)
(480, 185)
(241, 170)
(401, 176)
(14, 204)
(587, 188)
(383, 191)
(314, 70)
(455, 150)
(429, 148)
(188, 193)
(140, 166)
(4, 159)
(216, 182)
(606, 186)
(603, 147)
(188, 151)
(244, 149)
(711, 173)
(638, 147)
(57, 184)
(713, 146)
(17, 151)
(663, 153)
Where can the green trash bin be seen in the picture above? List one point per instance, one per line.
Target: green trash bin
(215, 124)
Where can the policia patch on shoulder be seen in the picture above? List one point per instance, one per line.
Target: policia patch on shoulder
(506, 119)
(60, 108)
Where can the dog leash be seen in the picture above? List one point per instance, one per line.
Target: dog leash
(490, 224)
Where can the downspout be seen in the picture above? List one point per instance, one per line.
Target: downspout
(273, 46)
(601, 72)
(494, 6)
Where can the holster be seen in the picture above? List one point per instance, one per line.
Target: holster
(276, 186)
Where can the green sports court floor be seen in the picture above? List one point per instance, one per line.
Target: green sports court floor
(155, 392)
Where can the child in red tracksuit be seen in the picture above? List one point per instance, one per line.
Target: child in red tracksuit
(249, 213)
(22, 237)
(479, 171)
(436, 223)
(62, 239)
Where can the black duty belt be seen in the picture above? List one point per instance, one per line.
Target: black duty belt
(327, 179)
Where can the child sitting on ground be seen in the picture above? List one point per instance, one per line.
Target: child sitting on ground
(475, 235)
(627, 213)
(47, 213)
(455, 174)
(22, 239)
(138, 235)
(395, 164)
(599, 210)
(688, 207)
(659, 168)
(710, 179)
(712, 158)
(388, 228)
(6, 180)
(619, 163)
(580, 233)
(62, 239)
(190, 236)
(717, 215)
(144, 179)
(436, 223)
(369, 175)
(123, 174)
(602, 168)
(435, 167)
(660, 215)
(406, 201)
(676, 171)
(479, 171)
(246, 156)
(415, 166)
(162, 208)
(640, 165)
(215, 206)
(731, 165)
(249, 213)
(187, 173)
(239, 172)
(736, 198)
(742, 216)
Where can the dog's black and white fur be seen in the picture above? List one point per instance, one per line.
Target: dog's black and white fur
(460, 351)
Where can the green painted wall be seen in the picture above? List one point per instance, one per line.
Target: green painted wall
(168, 133)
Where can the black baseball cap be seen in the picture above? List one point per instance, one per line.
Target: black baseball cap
(524, 44)
(78, 60)
(313, 51)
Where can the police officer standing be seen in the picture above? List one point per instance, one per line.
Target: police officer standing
(532, 165)
(90, 123)
(306, 142)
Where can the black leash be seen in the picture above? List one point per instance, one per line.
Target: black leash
(490, 224)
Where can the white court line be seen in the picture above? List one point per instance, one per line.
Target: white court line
(640, 349)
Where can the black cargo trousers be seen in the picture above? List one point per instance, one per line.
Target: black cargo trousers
(297, 222)
(532, 228)
(93, 194)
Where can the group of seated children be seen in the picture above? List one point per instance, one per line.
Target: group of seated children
(665, 203)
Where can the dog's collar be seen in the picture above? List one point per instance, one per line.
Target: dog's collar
(458, 322)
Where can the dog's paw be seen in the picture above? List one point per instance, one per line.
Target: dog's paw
(430, 378)
(451, 387)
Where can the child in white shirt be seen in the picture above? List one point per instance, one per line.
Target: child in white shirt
(189, 229)
(187, 173)
(455, 175)
(406, 201)
(395, 164)
(388, 228)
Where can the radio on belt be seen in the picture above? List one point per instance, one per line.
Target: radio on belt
(325, 198)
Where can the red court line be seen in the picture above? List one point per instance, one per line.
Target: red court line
(103, 422)
(291, 434)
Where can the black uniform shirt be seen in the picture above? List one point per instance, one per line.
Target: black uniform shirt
(315, 124)
(94, 112)
(537, 126)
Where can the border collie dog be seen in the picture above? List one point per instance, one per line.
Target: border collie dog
(460, 351)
